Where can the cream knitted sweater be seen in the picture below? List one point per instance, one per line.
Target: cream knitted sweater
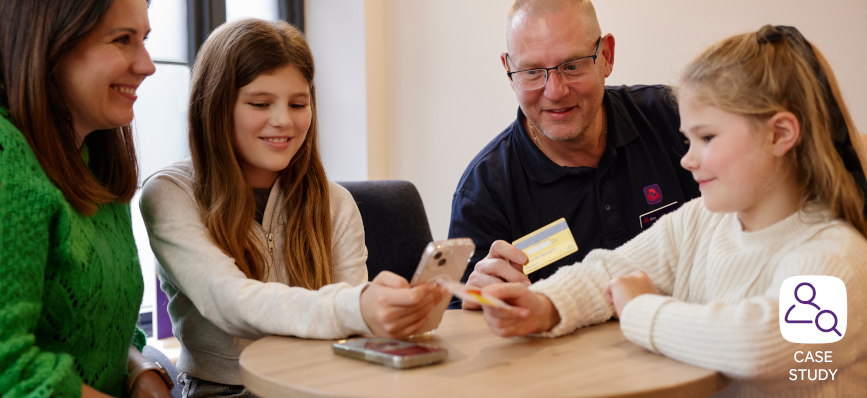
(718, 305)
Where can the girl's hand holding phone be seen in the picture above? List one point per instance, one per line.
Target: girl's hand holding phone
(391, 308)
(531, 312)
(622, 289)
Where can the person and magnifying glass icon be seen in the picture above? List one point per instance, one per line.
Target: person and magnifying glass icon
(810, 302)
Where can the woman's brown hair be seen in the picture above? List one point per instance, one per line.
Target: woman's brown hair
(232, 57)
(774, 70)
(34, 37)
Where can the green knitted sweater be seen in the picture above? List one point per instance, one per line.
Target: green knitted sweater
(70, 285)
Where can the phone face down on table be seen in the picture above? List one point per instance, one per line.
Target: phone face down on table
(442, 259)
(393, 353)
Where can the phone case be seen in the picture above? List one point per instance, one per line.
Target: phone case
(442, 259)
(392, 353)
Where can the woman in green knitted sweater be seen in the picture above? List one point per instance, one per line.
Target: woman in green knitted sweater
(71, 283)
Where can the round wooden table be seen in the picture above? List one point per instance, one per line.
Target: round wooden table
(592, 362)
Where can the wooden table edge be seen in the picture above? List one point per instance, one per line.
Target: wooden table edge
(701, 387)
(264, 386)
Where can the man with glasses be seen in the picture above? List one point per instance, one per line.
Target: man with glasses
(607, 159)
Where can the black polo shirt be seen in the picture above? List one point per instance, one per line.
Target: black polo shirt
(511, 188)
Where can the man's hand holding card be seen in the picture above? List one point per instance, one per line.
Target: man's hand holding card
(504, 263)
(513, 262)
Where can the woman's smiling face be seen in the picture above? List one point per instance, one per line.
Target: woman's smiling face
(272, 116)
(99, 77)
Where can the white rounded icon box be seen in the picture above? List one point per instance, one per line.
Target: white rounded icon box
(813, 309)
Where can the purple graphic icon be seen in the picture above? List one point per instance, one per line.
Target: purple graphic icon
(653, 194)
(810, 302)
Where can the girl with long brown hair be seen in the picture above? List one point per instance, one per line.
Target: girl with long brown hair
(71, 284)
(781, 171)
(251, 237)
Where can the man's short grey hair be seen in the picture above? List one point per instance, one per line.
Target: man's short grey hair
(537, 8)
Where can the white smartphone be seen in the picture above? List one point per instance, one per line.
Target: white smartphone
(393, 353)
(442, 259)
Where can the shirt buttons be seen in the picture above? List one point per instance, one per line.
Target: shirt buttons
(607, 206)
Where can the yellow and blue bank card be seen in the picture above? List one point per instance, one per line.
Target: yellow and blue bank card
(546, 245)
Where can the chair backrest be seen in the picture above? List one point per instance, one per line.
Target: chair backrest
(396, 229)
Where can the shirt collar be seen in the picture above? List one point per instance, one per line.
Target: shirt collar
(621, 130)
(543, 170)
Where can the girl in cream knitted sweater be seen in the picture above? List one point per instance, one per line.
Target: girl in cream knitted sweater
(771, 148)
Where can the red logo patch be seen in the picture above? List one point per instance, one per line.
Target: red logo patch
(652, 194)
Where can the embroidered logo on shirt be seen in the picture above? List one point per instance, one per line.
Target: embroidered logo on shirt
(653, 194)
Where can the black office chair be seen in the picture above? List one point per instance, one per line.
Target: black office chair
(396, 229)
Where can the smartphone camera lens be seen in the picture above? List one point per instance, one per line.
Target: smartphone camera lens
(438, 255)
(442, 262)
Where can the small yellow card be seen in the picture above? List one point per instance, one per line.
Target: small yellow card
(546, 245)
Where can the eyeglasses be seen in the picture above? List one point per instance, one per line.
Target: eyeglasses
(570, 71)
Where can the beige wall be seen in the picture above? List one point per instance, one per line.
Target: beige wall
(447, 95)
(377, 89)
(336, 32)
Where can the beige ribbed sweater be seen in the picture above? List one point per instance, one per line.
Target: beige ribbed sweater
(718, 305)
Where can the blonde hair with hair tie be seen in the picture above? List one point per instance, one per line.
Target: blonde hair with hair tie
(775, 70)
